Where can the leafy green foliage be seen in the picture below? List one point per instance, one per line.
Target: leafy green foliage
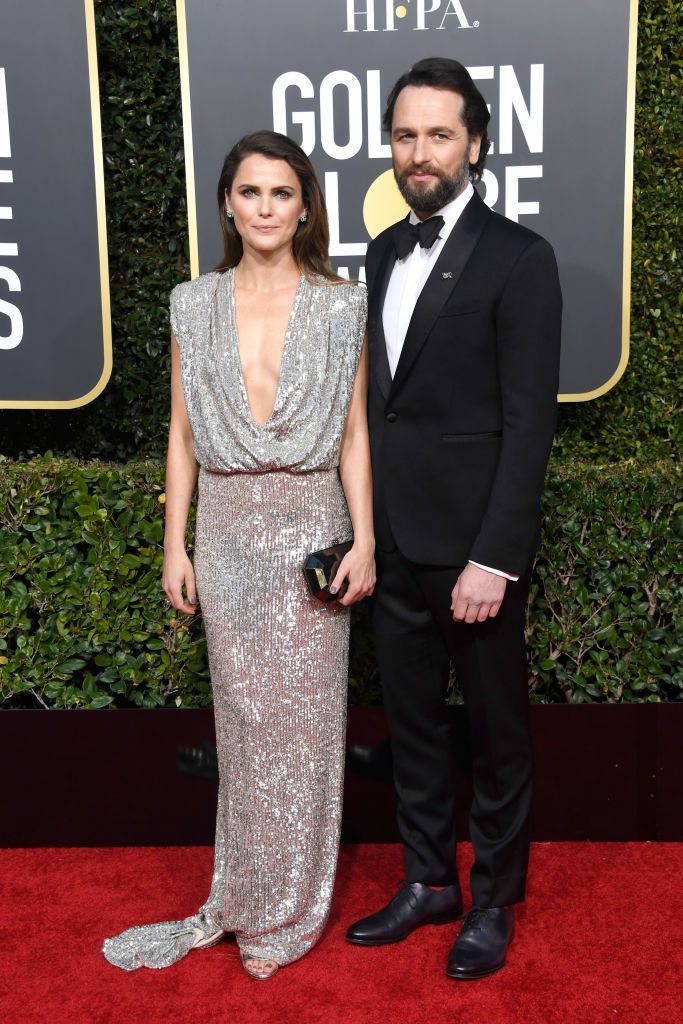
(606, 605)
(83, 621)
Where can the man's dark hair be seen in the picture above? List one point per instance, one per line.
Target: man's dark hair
(444, 73)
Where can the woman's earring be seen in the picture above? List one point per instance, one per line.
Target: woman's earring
(303, 218)
(229, 214)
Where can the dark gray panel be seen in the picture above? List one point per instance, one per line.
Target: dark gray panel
(61, 356)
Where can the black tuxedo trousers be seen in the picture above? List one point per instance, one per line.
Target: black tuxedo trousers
(416, 639)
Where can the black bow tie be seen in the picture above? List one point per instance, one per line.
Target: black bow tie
(407, 235)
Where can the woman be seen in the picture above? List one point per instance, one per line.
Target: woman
(268, 397)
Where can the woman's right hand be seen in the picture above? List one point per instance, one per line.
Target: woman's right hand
(178, 573)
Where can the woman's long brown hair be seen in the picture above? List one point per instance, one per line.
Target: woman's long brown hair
(311, 241)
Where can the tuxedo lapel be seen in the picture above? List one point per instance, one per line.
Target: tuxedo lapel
(378, 346)
(441, 282)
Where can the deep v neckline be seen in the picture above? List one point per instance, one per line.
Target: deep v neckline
(260, 425)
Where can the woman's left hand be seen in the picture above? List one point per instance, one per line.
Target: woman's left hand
(358, 566)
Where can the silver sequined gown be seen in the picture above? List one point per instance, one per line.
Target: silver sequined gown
(268, 495)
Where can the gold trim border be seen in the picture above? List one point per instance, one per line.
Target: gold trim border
(187, 138)
(581, 396)
(105, 299)
(585, 396)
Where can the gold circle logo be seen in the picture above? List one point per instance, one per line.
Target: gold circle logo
(401, 11)
(383, 204)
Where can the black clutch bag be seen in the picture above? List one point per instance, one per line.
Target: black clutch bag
(320, 568)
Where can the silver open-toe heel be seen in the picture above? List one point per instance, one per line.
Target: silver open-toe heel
(261, 970)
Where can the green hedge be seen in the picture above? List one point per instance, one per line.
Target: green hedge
(83, 623)
(146, 215)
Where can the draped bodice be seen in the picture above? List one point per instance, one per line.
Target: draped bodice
(319, 360)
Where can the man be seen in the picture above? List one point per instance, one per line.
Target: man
(464, 331)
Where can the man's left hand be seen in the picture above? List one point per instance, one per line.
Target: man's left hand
(477, 595)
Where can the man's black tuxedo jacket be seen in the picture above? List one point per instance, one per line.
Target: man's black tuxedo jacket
(460, 438)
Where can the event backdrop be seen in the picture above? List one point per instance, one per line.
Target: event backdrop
(559, 79)
(55, 334)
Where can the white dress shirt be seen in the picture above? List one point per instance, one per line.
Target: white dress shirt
(407, 280)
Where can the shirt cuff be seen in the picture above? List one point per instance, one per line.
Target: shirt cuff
(496, 572)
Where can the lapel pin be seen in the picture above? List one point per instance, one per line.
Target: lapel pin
(446, 274)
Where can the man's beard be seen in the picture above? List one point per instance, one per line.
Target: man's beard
(432, 199)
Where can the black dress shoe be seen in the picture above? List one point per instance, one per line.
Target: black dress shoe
(481, 946)
(413, 905)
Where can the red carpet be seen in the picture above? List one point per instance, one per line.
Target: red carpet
(600, 940)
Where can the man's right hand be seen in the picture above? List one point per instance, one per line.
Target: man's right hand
(477, 595)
